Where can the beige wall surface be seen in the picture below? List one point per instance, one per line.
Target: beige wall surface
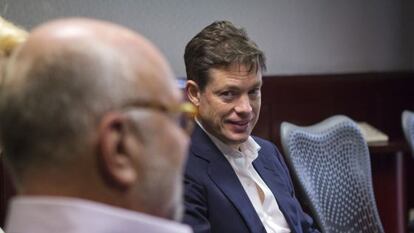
(298, 36)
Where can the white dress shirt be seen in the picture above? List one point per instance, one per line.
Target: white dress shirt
(70, 215)
(258, 192)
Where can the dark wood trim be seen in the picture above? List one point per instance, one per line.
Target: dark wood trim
(377, 98)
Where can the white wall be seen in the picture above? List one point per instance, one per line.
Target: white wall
(298, 36)
(408, 29)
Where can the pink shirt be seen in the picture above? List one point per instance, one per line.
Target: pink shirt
(70, 215)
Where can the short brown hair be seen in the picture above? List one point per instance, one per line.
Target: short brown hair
(220, 44)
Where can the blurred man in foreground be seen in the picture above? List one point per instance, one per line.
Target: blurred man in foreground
(93, 145)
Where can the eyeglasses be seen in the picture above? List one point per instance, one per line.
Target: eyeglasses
(184, 113)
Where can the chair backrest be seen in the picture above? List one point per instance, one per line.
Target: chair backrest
(330, 161)
(408, 128)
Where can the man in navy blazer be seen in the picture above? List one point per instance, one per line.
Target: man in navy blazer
(234, 183)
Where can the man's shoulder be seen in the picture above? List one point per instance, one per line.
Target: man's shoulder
(198, 155)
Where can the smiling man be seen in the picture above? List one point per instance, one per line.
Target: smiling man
(233, 182)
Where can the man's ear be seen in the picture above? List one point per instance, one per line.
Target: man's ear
(193, 92)
(117, 162)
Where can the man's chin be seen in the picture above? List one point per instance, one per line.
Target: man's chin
(237, 139)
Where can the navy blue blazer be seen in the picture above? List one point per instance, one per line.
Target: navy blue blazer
(215, 201)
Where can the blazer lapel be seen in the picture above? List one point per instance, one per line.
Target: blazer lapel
(223, 175)
(226, 179)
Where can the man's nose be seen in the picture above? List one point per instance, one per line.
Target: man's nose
(243, 105)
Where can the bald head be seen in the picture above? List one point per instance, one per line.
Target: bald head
(85, 111)
(62, 81)
(112, 53)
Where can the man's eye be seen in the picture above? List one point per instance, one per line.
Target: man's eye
(254, 92)
(227, 94)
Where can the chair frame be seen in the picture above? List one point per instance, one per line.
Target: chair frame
(407, 121)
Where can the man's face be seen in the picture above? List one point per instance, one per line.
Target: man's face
(161, 166)
(229, 105)
(163, 143)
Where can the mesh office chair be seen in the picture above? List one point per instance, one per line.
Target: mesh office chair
(407, 120)
(408, 128)
(330, 161)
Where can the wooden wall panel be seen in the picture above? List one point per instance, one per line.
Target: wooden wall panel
(378, 98)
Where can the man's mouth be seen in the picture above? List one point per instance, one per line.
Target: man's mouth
(239, 126)
(241, 122)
